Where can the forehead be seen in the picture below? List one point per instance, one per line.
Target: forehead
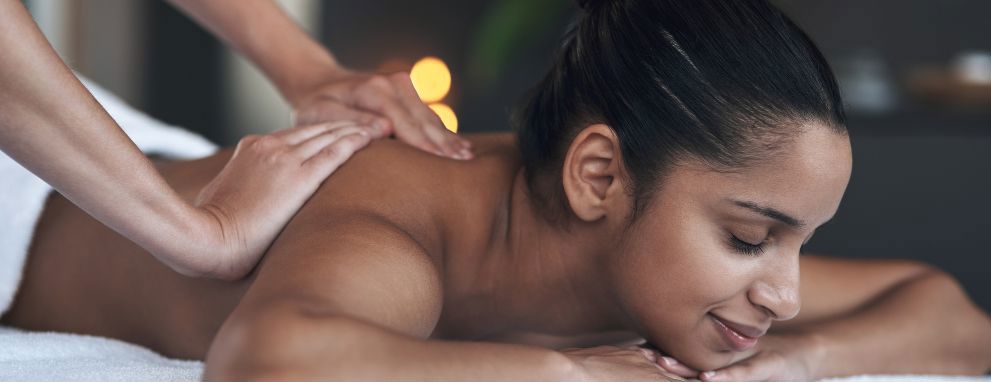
(806, 178)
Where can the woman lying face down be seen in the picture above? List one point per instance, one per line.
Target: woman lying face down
(709, 142)
(664, 177)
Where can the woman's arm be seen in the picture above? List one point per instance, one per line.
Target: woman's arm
(922, 322)
(868, 317)
(357, 299)
(51, 125)
(286, 341)
(312, 81)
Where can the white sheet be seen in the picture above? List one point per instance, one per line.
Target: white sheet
(30, 356)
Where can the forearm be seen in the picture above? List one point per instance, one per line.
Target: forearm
(262, 32)
(292, 346)
(51, 125)
(925, 325)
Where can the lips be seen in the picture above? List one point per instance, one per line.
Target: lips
(746, 331)
(738, 336)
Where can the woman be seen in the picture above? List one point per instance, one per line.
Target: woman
(665, 175)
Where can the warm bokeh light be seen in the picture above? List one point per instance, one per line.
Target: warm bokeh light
(446, 115)
(431, 78)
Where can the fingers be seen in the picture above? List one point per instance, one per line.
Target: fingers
(744, 371)
(673, 366)
(383, 100)
(429, 121)
(328, 159)
(329, 109)
(296, 135)
(649, 354)
(413, 122)
(387, 104)
(314, 145)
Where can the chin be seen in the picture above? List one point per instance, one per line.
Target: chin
(697, 355)
(707, 360)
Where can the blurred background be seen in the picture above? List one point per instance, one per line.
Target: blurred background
(915, 75)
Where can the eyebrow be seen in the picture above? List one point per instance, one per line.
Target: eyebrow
(770, 212)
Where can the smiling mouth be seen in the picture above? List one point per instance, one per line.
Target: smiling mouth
(736, 340)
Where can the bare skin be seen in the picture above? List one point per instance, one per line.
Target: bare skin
(56, 129)
(383, 267)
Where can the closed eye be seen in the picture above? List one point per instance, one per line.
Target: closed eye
(745, 247)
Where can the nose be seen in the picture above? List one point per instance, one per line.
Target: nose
(777, 292)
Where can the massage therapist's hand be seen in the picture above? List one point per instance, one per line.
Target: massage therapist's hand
(312, 81)
(776, 358)
(265, 182)
(612, 363)
(389, 103)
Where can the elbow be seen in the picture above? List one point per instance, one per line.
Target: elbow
(965, 322)
(246, 349)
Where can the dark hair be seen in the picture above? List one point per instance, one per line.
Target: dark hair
(722, 81)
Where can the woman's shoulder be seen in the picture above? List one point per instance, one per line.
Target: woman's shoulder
(419, 192)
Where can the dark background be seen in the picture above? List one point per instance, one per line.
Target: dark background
(920, 187)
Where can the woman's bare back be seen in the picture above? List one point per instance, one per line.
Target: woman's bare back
(82, 277)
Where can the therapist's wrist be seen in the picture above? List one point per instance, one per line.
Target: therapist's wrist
(219, 250)
(200, 241)
(304, 83)
(297, 78)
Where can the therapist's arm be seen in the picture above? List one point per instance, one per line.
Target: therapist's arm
(51, 125)
(313, 82)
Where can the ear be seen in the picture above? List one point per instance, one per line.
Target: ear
(591, 173)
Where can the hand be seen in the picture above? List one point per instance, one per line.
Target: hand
(611, 363)
(387, 102)
(776, 358)
(265, 182)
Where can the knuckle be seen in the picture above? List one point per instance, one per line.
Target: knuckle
(269, 142)
(379, 81)
(291, 155)
(247, 140)
(280, 156)
(335, 153)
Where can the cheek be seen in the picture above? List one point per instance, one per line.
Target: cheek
(678, 269)
(668, 280)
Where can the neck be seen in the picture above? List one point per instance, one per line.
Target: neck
(545, 279)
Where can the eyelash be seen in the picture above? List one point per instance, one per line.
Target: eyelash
(745, 247)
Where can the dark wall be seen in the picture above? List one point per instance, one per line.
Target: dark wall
(366, 34)
(918, 197)
(183, 80)
(922, 174)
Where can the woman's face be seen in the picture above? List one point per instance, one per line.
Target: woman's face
(724, 247)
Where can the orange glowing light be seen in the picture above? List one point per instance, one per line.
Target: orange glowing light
(431, 79)
(446, 115)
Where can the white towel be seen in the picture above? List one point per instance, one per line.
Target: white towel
(29, 356)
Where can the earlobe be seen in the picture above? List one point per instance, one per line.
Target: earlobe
(591, 173)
